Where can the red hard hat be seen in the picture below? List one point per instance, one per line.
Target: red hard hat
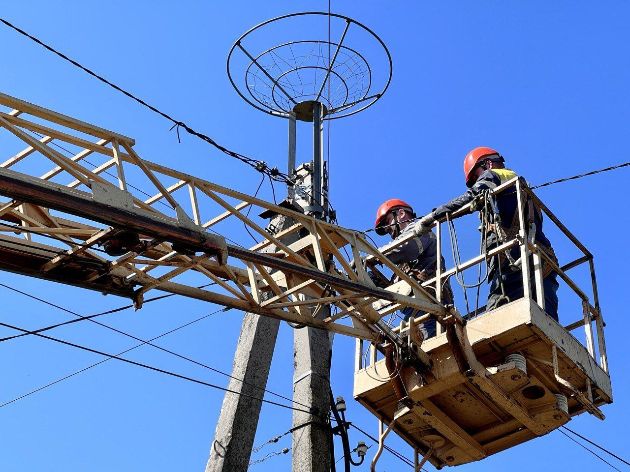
(384, 209)
(473, 158)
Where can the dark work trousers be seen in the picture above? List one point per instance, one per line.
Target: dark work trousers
(513, 288)
(428, 328)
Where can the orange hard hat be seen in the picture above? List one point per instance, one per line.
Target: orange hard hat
(384, 209)
(473, 158)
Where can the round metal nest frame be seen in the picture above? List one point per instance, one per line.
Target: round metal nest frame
(290, 77)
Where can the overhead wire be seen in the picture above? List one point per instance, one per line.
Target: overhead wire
(273, 191)
(277, 438)
(250, 209)
(111, 328)
(80, 371)
(590, 450)
(546, 184)
(270, 455)
(76, 320)
(155, 369)
(597, 445)
(580, 176)
(256, 164)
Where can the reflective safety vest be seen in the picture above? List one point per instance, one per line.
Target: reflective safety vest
(504, 174)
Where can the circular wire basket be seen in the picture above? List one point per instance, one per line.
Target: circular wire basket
(283, 77)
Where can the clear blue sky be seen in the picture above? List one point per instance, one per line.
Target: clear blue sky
(544, 82)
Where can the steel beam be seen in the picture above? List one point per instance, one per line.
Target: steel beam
(28, 189)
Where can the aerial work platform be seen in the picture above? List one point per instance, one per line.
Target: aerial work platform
(495, 380)
(524, 376)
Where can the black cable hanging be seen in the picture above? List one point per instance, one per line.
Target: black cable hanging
(80, 371)
(143, 342)
(589, 450)
(579, 176)
(597, 445)
(256, 164)
(156, 369)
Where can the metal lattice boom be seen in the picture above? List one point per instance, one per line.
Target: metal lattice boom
(56, 220)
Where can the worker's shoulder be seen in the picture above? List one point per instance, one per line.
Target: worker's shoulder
(491, 178)
(504, 174)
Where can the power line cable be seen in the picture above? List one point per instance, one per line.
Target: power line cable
(579, 176)
(256, 164)
(277, 438)
(270, 455)
(597, 446)
(168, 351)
(589, 450)
(156, 369)
(80, 317)
(61, 379)
(250, 209)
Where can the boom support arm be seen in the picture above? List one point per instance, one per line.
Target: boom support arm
(163, 245)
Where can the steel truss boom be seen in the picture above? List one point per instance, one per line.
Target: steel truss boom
(157, 244)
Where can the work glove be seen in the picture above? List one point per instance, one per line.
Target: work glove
(424, 224)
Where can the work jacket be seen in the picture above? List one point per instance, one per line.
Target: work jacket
(506, 207)
(418, 258)
(419, 253)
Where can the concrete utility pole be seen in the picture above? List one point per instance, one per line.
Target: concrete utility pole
(238, 421)
(312, 348)
(236, 428)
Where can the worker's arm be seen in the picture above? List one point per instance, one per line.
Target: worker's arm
(409, 251)
(486, 181)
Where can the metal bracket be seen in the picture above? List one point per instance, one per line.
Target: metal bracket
(184, 220)
(112, 196)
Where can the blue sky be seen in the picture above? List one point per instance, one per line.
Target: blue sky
(543, 82)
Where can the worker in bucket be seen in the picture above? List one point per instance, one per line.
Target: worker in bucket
(484, 170)
(417, 257)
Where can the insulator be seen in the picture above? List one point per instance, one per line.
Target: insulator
(562, 402)
(519, 360)
(340, 404)
(361, 449)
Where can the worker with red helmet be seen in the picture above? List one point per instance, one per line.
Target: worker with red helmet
(484, 169)
(416, 257)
